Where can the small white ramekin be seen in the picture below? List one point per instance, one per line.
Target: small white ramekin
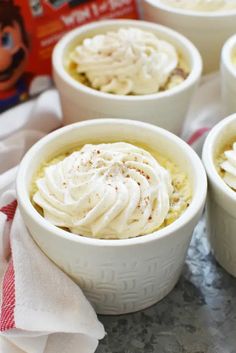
(165, 109)
(207, 30)
(117, 276)
(221, 201)
(228, 76)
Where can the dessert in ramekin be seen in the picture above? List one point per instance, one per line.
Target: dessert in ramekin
(202, 5)
(218, 158)
(208, 24)
(150, 73)
(225, 163)
(228, 76)
(234, 56)
(116, 275)
(127, 61)
(113, 190)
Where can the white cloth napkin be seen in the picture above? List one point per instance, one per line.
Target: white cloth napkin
(42, 310)
(205, 111)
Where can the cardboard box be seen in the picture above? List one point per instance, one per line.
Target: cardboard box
(29, 29)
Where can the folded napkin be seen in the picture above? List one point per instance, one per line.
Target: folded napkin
(205, 111)
(42, 310)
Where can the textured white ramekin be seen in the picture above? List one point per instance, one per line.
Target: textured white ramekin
(166, 109)
(117, 276)
(208, 31)
(228, 76)
(221, 203)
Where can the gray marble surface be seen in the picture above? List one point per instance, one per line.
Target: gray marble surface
(198, 316)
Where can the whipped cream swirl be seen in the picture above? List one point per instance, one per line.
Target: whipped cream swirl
(229, 166)
(110, 191)
(129, 61)
(202, 5)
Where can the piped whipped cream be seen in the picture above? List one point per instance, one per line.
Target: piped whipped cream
(114, 190)
(202, 5)
(229, 166)
(128, 61)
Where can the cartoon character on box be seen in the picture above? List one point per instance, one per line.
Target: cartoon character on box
(16, 85)
(14, 52)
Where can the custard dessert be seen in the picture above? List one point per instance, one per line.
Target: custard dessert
(202, 5)
(226, 164)
(234, 57)
(129, 61)
(111, 191)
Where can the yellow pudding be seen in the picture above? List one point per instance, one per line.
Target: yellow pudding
(110, 191)
(225, 164)
(234, 57)
(202, 5)
(129, 61)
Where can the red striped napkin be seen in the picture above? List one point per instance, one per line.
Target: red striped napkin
(7, 320)
(205, 111)
(37, 316)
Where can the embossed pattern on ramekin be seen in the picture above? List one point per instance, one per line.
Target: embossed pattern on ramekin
(118, 286)
(222, 235)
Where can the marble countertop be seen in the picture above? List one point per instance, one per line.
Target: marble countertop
(198, 316)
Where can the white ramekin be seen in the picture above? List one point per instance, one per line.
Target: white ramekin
(221, 201)
(117, 276)
(228, 76)
(208, 31)
(165, 109)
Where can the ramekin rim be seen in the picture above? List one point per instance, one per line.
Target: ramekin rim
(194, 75)
(207, 157)
(191, 13)
(195, 205)
(226, 57)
